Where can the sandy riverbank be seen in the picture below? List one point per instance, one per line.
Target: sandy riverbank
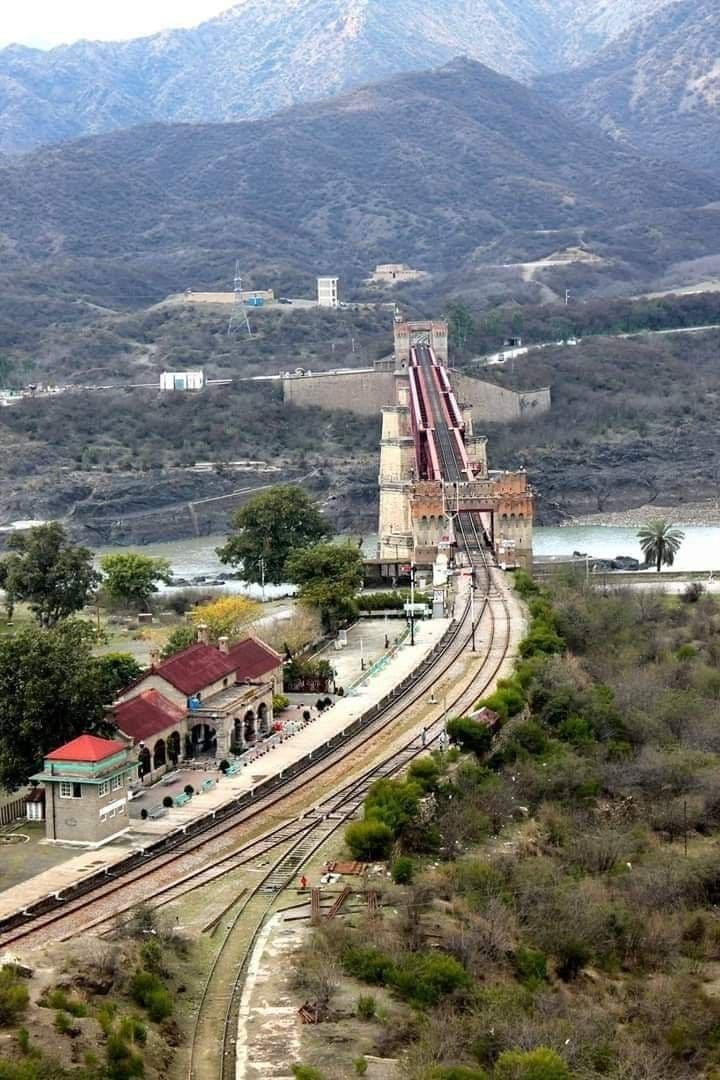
(705, 513)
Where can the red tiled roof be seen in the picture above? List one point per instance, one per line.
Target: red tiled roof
(146, 715)
(87, 748)
(194, 668)
(252, 658)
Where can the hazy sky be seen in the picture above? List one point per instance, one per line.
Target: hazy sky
(45, 23)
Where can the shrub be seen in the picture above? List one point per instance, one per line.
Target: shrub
(530, 965)
(469, 735)
(23, 1038)
(369, 840)
(122, 1061)
(540, 1064)
(62, 1023)
(58, 999)
(368, 964)
(148, 990)
(525, 586)
(425, 772)
(304, 1072)
(280, 703)
(459, 1072)
(168, 801)
(543, 638)
(306, 715)
(13, 997)
(424, 979)
(151, 955)
(394, 802)
(361, 1066)
(159, 1005)
(189, 790)
(572, 958)
(224, 765)
(366, 1007)
(403, 870)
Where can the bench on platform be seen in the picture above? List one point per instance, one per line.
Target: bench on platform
(157, 811)
(170, 778)
(207, 785)
(182, 799)
(234, 769)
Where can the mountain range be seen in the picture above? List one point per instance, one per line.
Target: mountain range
(657, 86)
(266, 55)
(450, 170)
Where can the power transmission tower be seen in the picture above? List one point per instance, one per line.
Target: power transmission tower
(239, 311)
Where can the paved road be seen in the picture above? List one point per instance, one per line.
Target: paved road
(499, 359)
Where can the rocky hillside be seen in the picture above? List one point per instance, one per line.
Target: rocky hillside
(263, 55)
(657, 87)
(446, 169)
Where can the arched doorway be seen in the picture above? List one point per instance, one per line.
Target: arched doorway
(144, 763)
(249, 731)
(159, 755)
(204, 740)
(263, 723)
(173, 748)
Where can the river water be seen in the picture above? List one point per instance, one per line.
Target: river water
(700, 550)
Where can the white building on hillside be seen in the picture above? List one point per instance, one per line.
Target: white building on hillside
(328, 292)
(182, 380)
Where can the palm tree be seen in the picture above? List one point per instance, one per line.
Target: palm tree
(660, 542)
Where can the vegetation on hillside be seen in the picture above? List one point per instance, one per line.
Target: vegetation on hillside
(629, 423)
(559, 917)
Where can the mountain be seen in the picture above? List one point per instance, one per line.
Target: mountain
(657, 86)
(264, 55)
(449, 170)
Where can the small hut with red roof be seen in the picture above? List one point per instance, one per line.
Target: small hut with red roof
(86, 790)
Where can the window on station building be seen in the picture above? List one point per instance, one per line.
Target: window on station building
(103, 788)
(117, 782)
(70, 790)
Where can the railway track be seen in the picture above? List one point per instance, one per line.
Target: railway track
(220, 1003)
(162, 873)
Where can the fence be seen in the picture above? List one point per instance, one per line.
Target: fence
(11, 811)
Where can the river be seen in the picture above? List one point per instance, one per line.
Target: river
(700, 550)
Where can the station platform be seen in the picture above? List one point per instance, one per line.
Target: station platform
(381, 675)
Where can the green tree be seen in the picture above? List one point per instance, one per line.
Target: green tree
(540, 1064)
(368, 840)
(328, 577)
(53, 576)
(394, 802)
(115, 672)
(660, 542)
(269, 528)
(470, 735)
(51, 690)
(182, 637)
(461, 325)
(132, 579)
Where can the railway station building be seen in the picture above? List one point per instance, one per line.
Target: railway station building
(206, 701)
(86, 790)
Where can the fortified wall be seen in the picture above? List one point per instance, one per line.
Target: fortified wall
(366, 391)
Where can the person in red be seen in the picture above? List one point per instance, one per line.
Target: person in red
(303, 882)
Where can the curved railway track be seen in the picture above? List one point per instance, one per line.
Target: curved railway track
(219, 1007)
(169, 871)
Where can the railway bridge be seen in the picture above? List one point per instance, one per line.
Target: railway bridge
(437, 495)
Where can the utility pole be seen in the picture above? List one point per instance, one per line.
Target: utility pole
(412, 604)
(262, 576)
(472, 612)
(567, 297)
